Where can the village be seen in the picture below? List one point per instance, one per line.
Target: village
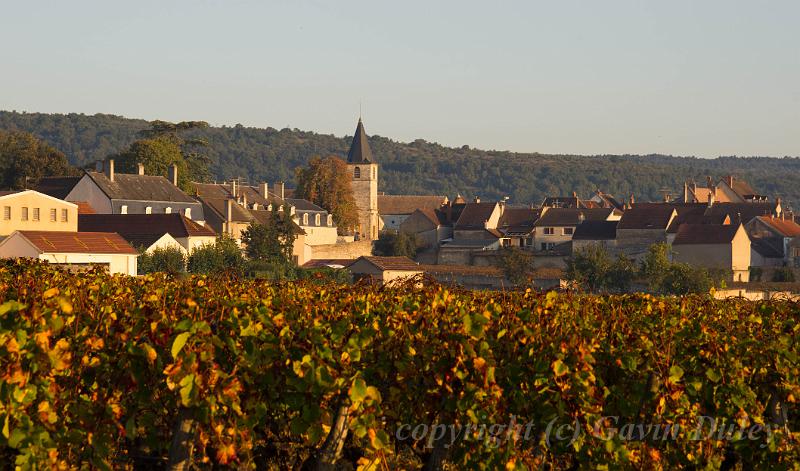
(108, 218)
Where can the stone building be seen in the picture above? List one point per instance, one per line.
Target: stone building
(364, 174)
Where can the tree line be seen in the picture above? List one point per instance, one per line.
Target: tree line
(417, 167)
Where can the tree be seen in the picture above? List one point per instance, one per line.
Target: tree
(163, 146)
(24, 159)
(272, 242)
(783, 274)
(326, 183)
(655, 266)
(517, 265)
(163, 259)
(620, 275)
(224, 255)
(589, 267)
(396, 244)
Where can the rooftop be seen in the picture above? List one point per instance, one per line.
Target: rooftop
(135, 187)
(407, 204)
(705, 234)
(78, 242)
(391, 263)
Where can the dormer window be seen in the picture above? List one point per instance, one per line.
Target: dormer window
(148, 210)
(269, 208)
(330, 220)
(305, 219)
(357, 172)
(123, 209)
(167, 210)
(188, 213)
(316, 219)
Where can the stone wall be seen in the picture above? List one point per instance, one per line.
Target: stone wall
(350, 250)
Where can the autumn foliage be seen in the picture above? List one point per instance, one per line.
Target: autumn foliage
(120, 372)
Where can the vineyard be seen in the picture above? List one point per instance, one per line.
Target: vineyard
(152, 372)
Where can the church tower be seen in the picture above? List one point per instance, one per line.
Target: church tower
(364, 180)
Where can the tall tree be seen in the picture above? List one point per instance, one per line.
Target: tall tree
(161, 146)
(326, 183)
(24, 159)
(273, 241)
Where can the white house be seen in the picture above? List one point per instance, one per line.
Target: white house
(73, 249)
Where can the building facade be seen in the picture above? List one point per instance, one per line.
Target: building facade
(364, 181)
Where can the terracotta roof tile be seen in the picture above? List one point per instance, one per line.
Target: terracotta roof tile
(407, 204)
(177, 225)
(79, 242)
(785, 227)
(647, 216)
(596, 230)
(475, 215)
(689, 234)
(572, 216)
(391, 263)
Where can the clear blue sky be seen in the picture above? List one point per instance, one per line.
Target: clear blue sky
(683, 77)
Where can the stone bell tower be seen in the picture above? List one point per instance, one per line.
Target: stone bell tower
(364, 180)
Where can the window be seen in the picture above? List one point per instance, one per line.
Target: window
(148, 210)
(506, 242)
(374, 172)
(568, 230)
(357, 172)
(53, 215)
(305, 219)
(25, 213)
(330, 220)
(6, 212)
(316, 219)
(549, 230)
(188, 213)
(547, 245)
(167, 210)
(123, 209)
(64, 215)
(35, 214)
(269, 208)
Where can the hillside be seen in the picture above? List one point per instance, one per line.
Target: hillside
(419, 167)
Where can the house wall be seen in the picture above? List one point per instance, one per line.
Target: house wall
(347, 250)
(159, 207)
(539, 237)
(319, 235)
(393, 221)
(34, 200)
(16, 246)
(86, 190)
(454, 256)
(192, 242)
(580, 244)
(166, 242)
(389, 276)
(734, 256)
(124, 264)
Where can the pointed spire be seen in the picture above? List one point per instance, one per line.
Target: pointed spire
(359, 149)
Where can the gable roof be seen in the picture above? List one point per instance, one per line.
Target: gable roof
(359, 149)
(767, 247)
(407, 204)
(647, 216)
(695, 213)
(78, 242)
(572, 216)
(705, 234)
(14, 193)
(216, 206)
(596, 230)
(135, 187)
(744, 212)
(518, 220)
(784, 227)
(141, 225)
(57, 187)
(390, 263)
(475, 215)
(435, 216)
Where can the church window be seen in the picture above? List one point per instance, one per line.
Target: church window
(357, 172)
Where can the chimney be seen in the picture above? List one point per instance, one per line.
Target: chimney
(477, 199)
(140, 169)
(778, 209)
(173, 174)
(228, 210)
(110, 169)
(263, 190)
(574, 194)
(632, 200)
(685, 191)
(710, 183)
(730, 180)
(710, 199)
(98, 166)
(244, 199)
(278, 189)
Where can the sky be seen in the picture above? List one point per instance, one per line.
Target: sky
(683, 77)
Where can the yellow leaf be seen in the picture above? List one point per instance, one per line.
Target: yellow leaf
(226, 454)
(50, 293)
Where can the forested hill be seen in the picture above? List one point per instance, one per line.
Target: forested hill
(419, 167)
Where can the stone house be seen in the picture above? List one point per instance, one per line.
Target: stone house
(725, 247)
(778, 233)
(384, 270)
(394, 209)
(151, 231)
(599, 233)
(557, 225)
(29, 210)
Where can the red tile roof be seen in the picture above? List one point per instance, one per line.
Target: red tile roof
(689, 234)
(785, 227)
(647, 216)
(391, 263)
(79, 242)
(175, 224)
(407, 204)
(84, 207)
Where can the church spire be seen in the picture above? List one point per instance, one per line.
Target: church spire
(359, 150)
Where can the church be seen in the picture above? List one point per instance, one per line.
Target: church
(364, 180)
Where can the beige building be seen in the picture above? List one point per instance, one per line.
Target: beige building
(725, 247)
(73, 249)
(384, 269)
(557, 225)
(394, 209)
(364, 181)
(151, 231)
(29, 210)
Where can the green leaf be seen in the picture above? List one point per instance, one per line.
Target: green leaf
(713, 375)
(358, 391)
(179, 342)
(187, 384)
(559, 368)
(675, 373)
(5, 427)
